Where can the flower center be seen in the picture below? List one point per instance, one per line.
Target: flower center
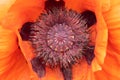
(60, 37)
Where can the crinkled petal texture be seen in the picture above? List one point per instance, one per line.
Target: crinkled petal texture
(4, 7)
(21, 12)
(107, 52)
(13, 65)
(15, 62)
(111, 64)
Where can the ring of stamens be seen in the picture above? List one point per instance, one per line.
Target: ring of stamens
(63, 33)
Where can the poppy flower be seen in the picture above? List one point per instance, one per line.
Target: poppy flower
(21, 34)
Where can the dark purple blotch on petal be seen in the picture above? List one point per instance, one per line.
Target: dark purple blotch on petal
(25, 30)
(51, 4)
(38, 67)
(67, 73)
(90, 17)
(89, 54)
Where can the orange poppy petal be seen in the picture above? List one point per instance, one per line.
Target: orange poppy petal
(102, 32)
(12, 61)
(8, 44)
(80, 71)
(112, 60)
(81, 5)
(21, 12)
(8, 39)
(4, 7)
(83, 70)
(18, 70)
(75, 5)
(107, 28)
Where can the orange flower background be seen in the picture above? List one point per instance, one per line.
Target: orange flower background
(15, 61)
